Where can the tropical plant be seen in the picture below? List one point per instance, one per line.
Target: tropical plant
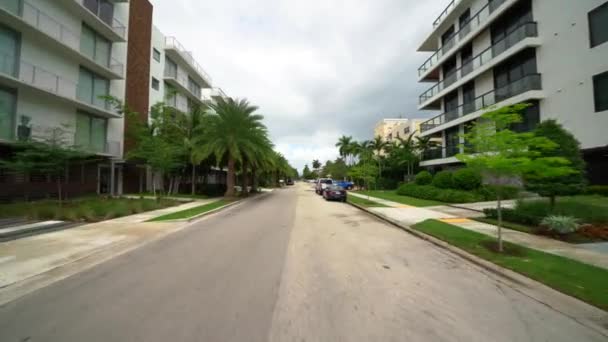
(233, 134)
(561, 224)
(503, 157)
(344, 146)
(316, 165)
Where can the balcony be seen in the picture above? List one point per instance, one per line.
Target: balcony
(446, 153)
(18, 73)
(101, 21)
(445, 12)
(180, 81)
(483, 61)
(495, 97)
(479, 21)
(176, 51)
(29, 18)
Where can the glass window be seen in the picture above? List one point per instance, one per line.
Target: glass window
(156, 55)
(91, 87)
(9, 51)
(87, 42)
(155, 84)
(91, 132)
(170, 68)
(7, 113)
(95, 46)
(193, 86)
(106, 11)
(91, 5)
(12, 6)
(600, 91)
(598, 25)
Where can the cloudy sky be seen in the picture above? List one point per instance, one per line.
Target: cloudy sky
(317, 69)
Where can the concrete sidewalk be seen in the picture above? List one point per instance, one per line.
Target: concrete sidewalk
(408, 216)
(30, 257)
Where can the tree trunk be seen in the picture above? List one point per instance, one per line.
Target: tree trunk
(193, 190)
(552, 202)
(499, 212)
(59, 197)
(230, 178)
(254, 175)
(245, 191)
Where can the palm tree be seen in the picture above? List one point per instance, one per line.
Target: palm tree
(344, 146)
(423, 144)
(406, 154)
(232, 135)
(378, 145)
(191, 128)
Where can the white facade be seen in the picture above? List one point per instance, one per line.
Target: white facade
(43, 71)
(507, 52)
(181, 81)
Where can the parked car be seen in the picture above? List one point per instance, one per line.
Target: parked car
(289, 181)
(334, 192)
(322, 183)
(345, 184)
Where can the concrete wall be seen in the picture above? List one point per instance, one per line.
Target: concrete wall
(567, 64)
(157, 69)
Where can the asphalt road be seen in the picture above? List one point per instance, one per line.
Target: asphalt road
(286, 267)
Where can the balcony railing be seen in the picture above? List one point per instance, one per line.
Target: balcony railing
(440, 152)
(54, 29)
(183, 81)
(40, 78)
(112, 22)
(173, 43)
(445, 12)
(526, 83)
(476, 21)
(525, 30)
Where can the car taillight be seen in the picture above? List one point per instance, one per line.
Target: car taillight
(337, 192)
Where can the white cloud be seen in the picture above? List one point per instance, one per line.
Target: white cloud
(317, 69)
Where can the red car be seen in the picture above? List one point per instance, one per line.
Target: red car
(334, 192)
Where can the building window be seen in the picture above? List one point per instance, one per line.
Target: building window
(600, 91)
(9, 51)
(598, 25)
(104, 9)
(156, 55)
(155, 84)
(8, 99)
(194, 87)
(90, 132)
(170, 68)
(92, 88)
(95, 46)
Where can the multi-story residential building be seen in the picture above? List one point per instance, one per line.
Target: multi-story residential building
(58, 59)
(392, 129)
(177, 79)
(552, 54)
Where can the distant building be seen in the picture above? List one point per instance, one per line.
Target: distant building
(391, 129)
(552, 54)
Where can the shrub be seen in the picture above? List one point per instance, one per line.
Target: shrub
(561, 224)
(597, 190)
(443, 180)
(466, 179)
(424, 178)
(514, 216)
(430, 192)
(488, 193)
(387, 184)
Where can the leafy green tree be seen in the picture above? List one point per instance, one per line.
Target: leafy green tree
(190, 128)
(337, 169)
(503, 157)
(51, 154)
(232, 135)
(364, 174)
(316, 165)
(569, 149)
(306, 173)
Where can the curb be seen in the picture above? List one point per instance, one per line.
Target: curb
(529, 285)
(472, 258)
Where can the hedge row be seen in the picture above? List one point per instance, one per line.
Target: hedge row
(597, 190)
(431, 192)
(462, 179)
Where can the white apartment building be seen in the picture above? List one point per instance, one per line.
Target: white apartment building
(57, 59)
(552, 54)
(177, 79)
(392, 129)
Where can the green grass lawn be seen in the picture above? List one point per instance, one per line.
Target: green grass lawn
(571, 277)
(364, 202)
(510, 225)
(393, 196)
(185, 214)
(186, 196)
(87, 209)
